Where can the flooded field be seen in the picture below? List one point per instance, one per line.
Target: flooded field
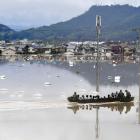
(34, 91)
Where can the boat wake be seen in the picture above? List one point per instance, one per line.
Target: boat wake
(30, 105)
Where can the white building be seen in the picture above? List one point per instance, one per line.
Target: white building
(8, 51)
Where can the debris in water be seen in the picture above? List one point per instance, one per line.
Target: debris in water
(71, 64)
(2, 77)
(21, 65)
(77, 72)
(109, 77)
(57, 76)
(114, 65)
(117, 79)
(47, 84)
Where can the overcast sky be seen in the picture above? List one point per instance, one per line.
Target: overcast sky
(27, 13)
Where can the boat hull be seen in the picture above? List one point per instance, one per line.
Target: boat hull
(100, 100)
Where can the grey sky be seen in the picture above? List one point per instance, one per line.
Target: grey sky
(29, 13)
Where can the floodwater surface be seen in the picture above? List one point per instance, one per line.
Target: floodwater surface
(33, 100)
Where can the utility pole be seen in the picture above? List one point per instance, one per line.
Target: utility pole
(98, 32)
(137, 30)
(139, 103)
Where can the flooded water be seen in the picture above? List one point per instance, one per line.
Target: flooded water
(33, 99)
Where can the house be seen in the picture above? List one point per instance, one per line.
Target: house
(9, 51)
(48, 50)
(58, 50)
(117, 49)
(19, 49)
(127, 51)
(43, 50)
(31, 50)
(26, 49)
(105, 51)
(1, 49)
(71, 48)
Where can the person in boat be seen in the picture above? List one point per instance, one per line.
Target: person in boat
(128, 95)
(112, 95)
(90, 96)
(116, 94)
(121, 95)
(121, 92)
(87, 96)
(97, 97)
(83, 96)
(109, 98)
(75, 96)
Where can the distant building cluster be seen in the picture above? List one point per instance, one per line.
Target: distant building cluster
(107, 49)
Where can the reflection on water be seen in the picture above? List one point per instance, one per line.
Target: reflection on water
(120, 107)
(114, 107)
(31, 79)
(36, 81)
(139, 99)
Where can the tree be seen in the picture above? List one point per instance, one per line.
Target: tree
(25, 49)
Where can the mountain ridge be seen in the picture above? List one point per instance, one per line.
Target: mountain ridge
(117, 24)
(6, 32)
